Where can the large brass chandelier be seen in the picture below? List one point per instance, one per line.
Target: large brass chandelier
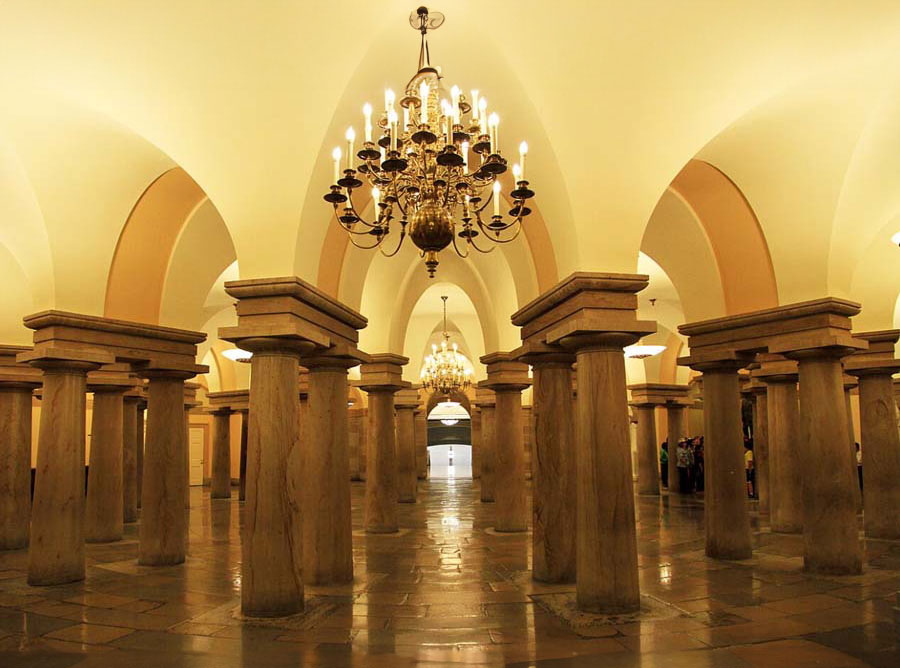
(445, 371)
(432, 161)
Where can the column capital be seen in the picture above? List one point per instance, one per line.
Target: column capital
(484, 396)
(288, 314)
(586, 309)
(383, 372)
(539, 354)
(878, 358)
(112, 378)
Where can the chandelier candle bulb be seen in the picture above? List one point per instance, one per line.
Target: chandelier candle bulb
(494, 127)
(375, 195)
(388, 101)
(496, 198)
(454, 101)
(523, 151)
(464, 149)
(393, 129)
(423, 96)
(482, 115)
(517, 173)
(336, 155)
(367, 112)
(351, 136)
(474, 104)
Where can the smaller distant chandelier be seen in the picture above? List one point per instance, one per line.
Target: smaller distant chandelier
(435, 166)
(445, 370)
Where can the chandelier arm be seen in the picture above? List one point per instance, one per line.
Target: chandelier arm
(360, 246)
(456, 247)
(356, 213)
(498, 240)
(475, 246)
(397, 249)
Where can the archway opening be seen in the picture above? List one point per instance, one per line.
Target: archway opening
(449, 440)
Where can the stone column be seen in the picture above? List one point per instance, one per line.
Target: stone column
(647, 449)
(355, 440)
(849, 384)
(726, 506)
(163, 529)
(785, 476)
(190, 402)
(507, 378)
(553, 468)
(878, 433)
(245, 428)
(325, 472)
(139, 447)
(405, 404)
(130, 456)
(676, 431)
(421, 444)
(17, 384)
(364, 437)
(381, 378)
(487, 402)
(271, 567)
(527, 439)
(476, 442)
(761, 444)
(830, 532)
(56, 547)
(104, 515)
(221, 454)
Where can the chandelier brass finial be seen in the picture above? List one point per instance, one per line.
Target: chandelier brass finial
(432, 172)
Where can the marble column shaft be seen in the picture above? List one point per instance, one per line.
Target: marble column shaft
(130, 459)
(647, 450)
(675, 432)
(511, 513)
(163, 528)
(56, 547)
(421, 444)
(726, 509)
(245, 427)
(553, 472)
(271, 585)
(220, 486)
(851, 443)
(325, 461)
(406, 454)
(607, 573)
(785, 476)
(476, 442)
(139, 448)
(880, 454)
(831, 542)
(761, 448)
(381, 465)
(488, 457)
(15, 464)
(103, 517)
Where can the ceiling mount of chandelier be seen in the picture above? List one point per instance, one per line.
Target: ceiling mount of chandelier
(445, 371)
(433, 169)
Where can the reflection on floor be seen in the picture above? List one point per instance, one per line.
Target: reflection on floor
(445, 591)
(450, 461)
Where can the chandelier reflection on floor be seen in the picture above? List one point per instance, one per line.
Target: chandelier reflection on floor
(445, 370)
(437, 160)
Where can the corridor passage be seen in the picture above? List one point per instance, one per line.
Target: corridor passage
(447, 589)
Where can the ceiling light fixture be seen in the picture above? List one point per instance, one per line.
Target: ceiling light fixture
(438, 157)
(445, 370)
(896, 238)
(449, 421)
(642, 352)
(237, 355)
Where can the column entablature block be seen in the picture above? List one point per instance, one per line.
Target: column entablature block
(484, 395)
(61, 335)
(290, 312)
(383, 372)
(878, 359)
(660, 394)
(17, 374)
(811, 327)
(234, 400)
(505, 372)
(586, 304)
(407, 398)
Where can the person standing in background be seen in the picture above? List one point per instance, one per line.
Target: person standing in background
(664, 463)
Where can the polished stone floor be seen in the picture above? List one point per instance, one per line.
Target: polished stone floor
(447, 590)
